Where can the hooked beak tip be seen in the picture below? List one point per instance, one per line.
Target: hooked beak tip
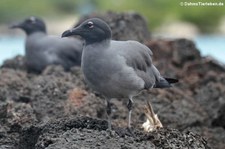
(67, 33)
(12, 26)
(71, 32)
(15, 26)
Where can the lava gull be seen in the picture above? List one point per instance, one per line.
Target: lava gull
(116, 69)
(42, 50)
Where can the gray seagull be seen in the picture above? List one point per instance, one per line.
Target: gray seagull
(42, 50)
(116, 69)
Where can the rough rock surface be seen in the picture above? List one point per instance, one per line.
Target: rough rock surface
(85, 132)
(57, 110)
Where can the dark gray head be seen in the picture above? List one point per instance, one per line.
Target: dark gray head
(92, 30)
(31, 25)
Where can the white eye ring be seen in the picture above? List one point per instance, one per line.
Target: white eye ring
(33, 19)
(90, 24)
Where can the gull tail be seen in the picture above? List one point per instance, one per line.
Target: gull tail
(165, 83)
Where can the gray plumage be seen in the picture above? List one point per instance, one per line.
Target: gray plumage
(42, 50)
(116, 69)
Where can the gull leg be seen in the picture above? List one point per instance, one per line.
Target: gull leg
(153, 121)
(108, 111)
(129, 107)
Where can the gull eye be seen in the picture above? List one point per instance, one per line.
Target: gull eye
(32, 20)
(90, 24)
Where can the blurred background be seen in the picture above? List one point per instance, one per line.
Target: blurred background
(205, 25)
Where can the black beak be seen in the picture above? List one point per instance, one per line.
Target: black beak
(71, 32)
(67, 33)
(19, 25)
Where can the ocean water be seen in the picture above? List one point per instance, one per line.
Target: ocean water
(10, 47)
(212, 45)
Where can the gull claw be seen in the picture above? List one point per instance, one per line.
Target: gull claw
(152, 123)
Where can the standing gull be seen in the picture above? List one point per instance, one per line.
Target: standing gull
(116, 69)
(42, 50)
